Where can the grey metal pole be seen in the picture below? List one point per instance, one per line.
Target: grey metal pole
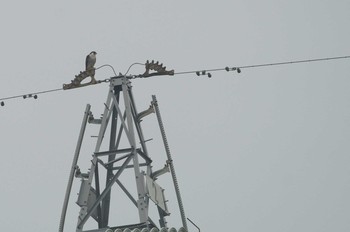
(170, 161)
(74, 164)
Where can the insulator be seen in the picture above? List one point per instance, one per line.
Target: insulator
(2, 103)
(203, 72)
(154, 229)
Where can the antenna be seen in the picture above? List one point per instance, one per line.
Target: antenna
(93, 199)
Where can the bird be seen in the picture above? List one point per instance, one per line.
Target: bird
(90, 61)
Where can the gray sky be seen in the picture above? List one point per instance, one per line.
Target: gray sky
(265, 150)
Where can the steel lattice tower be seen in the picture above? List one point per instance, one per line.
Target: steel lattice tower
(124, 122)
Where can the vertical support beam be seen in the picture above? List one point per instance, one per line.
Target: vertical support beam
(142, 140)
(112, 146)
(93, 168)
(73, 168)
(97, 189)
(141, 203)
(170, 162)
(137, 124)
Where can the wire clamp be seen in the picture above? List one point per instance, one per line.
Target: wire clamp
(233, 69)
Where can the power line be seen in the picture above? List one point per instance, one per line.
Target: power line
(34, 95)
(297, 62)
(206, 72)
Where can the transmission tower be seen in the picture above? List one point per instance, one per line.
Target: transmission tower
(124, 121)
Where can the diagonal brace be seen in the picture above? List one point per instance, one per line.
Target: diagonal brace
(122, 119)
(104, 193)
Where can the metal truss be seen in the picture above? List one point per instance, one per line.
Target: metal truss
(124, 122)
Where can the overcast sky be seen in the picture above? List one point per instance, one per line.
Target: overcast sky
(265, 150)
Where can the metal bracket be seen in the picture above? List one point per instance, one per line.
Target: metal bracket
(92, 120)
(79, 174)
(144, 113)
(162, 171)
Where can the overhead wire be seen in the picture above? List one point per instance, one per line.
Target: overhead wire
(107, 65)
(30, 94)
(136, 63)
(296, 62)
(264, 65)
(35, 94)
(197, 72)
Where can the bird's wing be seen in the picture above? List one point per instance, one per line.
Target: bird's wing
(87, 61)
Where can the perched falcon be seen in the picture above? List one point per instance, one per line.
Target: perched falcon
(90, 60)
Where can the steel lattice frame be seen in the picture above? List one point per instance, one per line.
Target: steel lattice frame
(93, 200)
